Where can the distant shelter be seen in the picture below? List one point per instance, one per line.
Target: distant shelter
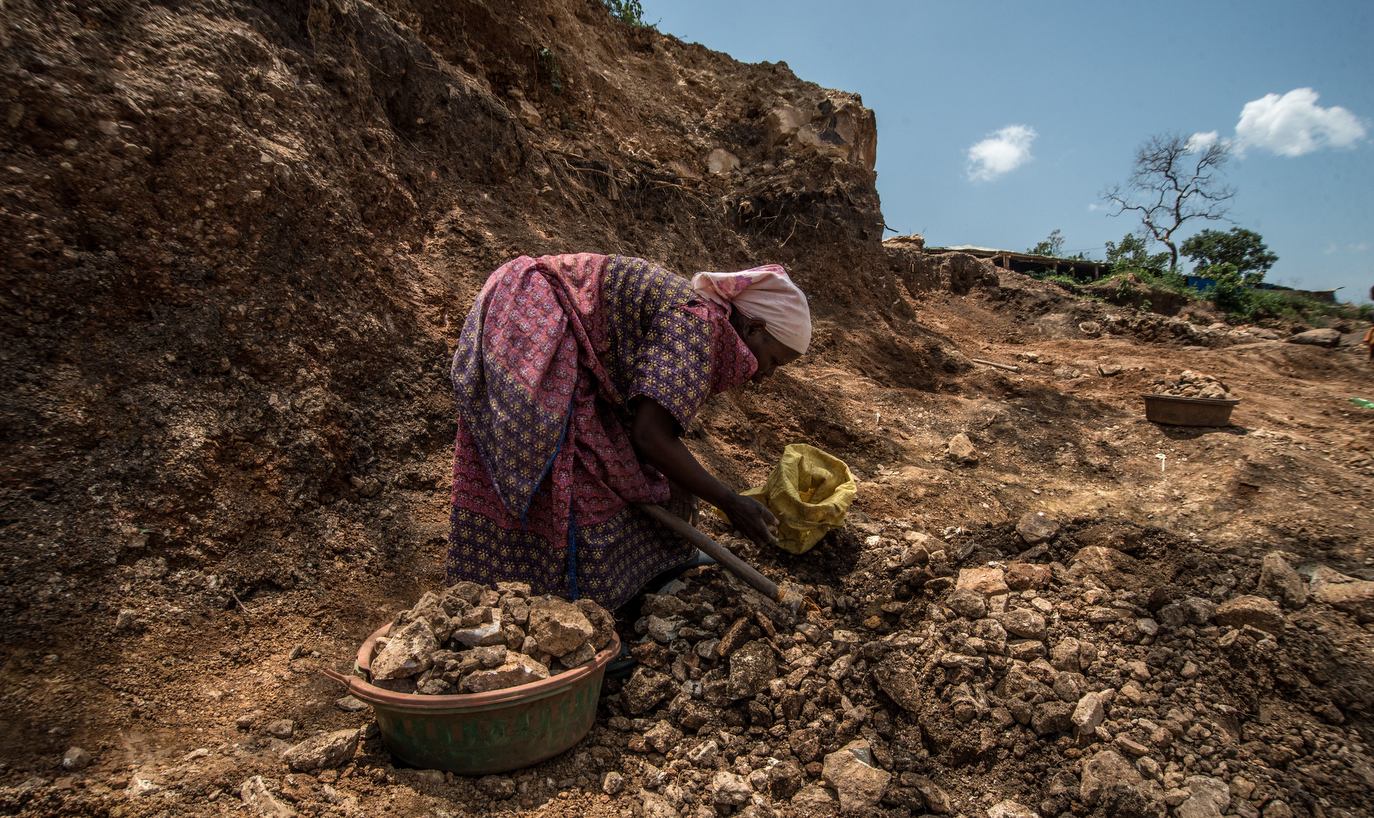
(1083, 269)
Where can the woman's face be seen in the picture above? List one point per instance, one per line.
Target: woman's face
(769, 352)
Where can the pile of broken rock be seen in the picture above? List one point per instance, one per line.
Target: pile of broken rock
(1059, 680)
(472, 639)
(1192, 384)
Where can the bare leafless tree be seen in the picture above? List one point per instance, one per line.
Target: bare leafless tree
(1173, 182)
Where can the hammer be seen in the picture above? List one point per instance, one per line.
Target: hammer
(787, 597)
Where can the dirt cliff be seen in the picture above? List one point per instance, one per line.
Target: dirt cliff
(240, 237)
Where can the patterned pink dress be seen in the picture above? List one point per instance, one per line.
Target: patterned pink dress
(552, 357)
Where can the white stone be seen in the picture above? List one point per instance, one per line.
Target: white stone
(854, 775)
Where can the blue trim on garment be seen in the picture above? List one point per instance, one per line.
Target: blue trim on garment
(572, 557)
(548, 467)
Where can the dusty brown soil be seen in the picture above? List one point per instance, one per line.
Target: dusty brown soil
(239, 239)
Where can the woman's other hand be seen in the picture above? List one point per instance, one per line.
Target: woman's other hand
(655, 436)
(753, 519)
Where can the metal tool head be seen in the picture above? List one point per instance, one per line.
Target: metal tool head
(795, 601)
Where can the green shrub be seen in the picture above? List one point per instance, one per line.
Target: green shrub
(1064, 280)
(1271, 304)
(1238, 299)
(1132, 255)
(1230, 293)
(630, 12)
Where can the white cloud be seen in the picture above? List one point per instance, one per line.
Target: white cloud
(1353, 247)
(1294, 124)
(1093, 207)
(1003, 152)
(1202, 141)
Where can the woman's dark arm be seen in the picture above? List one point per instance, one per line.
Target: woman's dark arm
(654, 433)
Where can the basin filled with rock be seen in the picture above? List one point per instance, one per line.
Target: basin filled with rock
(472, 639)
(478, 680)
(1192, 399)
(1190, 384)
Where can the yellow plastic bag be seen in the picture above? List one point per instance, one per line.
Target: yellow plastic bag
(809, 491)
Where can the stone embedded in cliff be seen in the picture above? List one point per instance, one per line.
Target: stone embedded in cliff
(721, 162)
(782, 124)
(838, 125)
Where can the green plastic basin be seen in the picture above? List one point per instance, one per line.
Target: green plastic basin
(483, 733)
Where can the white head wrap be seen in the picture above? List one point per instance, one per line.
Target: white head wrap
(766, 294)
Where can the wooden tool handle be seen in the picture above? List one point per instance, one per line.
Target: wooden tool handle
(716, 551)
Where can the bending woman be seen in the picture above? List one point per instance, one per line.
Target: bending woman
(575, 376)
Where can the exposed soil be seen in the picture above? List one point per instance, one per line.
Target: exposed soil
(239, 241)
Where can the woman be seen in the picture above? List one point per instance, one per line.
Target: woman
(575, 377)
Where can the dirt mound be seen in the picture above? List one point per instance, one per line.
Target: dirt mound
(1130, 291)
(240, 238)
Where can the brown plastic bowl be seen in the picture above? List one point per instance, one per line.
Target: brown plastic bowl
(1173, 410)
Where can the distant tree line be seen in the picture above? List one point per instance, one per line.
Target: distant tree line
(1175, 183)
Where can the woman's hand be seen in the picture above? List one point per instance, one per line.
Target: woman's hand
(753, 519)
(654, 433)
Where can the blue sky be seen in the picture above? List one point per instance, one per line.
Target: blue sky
(1091, 80)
